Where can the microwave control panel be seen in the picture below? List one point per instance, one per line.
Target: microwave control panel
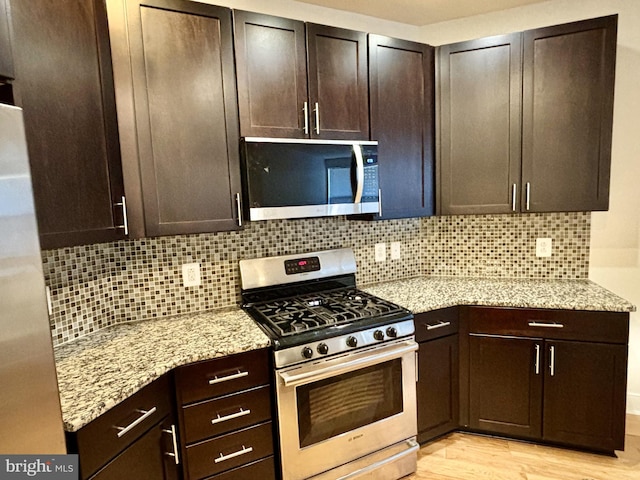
(371, 181)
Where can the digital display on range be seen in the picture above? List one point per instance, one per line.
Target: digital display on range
(301, 265)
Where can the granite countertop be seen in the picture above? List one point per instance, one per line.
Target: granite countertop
(98, 371)
(430, 293)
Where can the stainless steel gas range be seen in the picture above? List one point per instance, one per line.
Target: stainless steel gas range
(345, 367)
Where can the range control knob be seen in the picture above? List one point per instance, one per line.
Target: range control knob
(323, 348)
(378, 335)
(307, 352)
(352, 342)
(392, 332)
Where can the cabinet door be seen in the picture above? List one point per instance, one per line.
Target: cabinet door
(64, 84)
(480, 111)
(186, 115)
(567, 115)
(437, 387)
(479, 125)
(338, 83)
(505, 390)
(584, 394)
(272, 75)
(402, 121)
(151, 457)
(6, 57)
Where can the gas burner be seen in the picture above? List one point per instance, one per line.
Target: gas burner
(307, 312)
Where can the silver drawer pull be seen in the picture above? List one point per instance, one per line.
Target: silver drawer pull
(438, 325)
(220, 419)
(546, 325)
(244, 451)
(145, 414)
(174, 439)
(233, 376)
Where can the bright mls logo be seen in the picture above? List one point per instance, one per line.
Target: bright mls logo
(51, 467)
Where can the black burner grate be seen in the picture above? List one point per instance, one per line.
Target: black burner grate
(318, 310)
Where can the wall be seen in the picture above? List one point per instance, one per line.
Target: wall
(615, 235)
(95, 286)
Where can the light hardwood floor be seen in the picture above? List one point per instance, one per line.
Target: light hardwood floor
(461, 456)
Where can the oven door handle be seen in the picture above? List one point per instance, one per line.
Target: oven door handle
(356, 361)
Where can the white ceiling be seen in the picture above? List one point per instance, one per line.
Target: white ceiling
(421, 12)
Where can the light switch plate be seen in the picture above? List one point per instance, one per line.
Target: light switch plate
(380, 252)
(191, 274)
(543, 247)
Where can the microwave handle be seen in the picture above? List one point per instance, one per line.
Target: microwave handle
(357, 150)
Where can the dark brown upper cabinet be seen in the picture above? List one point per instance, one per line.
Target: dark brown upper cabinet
(64, 84)
(6, 57)
(480, 91)
(401, 87)
(175, 82)
(300, 80)
(568, 84)
(525, 120)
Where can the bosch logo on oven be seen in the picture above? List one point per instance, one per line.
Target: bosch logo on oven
(356, 437)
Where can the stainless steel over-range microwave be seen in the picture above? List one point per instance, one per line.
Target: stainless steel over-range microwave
(294, 178)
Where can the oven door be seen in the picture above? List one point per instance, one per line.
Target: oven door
(334, 411)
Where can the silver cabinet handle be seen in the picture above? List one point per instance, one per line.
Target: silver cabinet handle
(537, 359)
(220, 419)
(317, 112)
(528, 195)
(552, 360)
(145, 414)
(233, 376)
(514, 195)
(125, 220)
(380, 202)
(438, 325)
(244, 451)
(305, 110)
(239, 206)
(47, 291)
(174, 438)
(546, 325)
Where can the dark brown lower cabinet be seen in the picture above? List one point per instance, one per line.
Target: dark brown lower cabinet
(505, 391)
(438, 386)
(225, 417)
(584, 394)
(136, 439)
(550, 375)
(151, 457)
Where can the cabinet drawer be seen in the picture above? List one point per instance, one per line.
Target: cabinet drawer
(264, 469)
(224, 414)
(221, 376)
(436, 324)
(608, 327)
(229, 451)
(109, 434)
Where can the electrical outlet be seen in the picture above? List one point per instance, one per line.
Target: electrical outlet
(191, 274)
(380, 252)
(543, 247)
(395, 250)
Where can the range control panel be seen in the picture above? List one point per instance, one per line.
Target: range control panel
(301, 265)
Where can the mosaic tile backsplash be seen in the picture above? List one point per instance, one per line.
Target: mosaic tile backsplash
(95, 286)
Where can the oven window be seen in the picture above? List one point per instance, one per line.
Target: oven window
(339, 404)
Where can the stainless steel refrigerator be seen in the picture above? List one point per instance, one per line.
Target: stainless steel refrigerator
(30, 417)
